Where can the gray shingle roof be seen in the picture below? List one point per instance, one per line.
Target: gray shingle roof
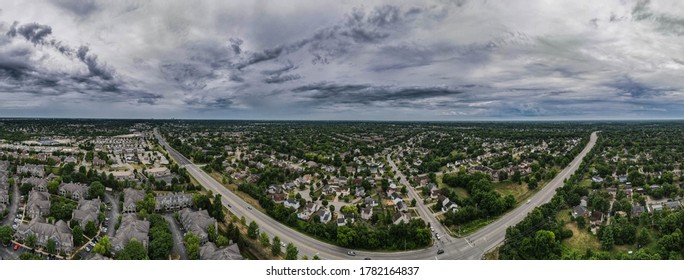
(209, 251)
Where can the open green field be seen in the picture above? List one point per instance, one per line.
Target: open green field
(519, 191)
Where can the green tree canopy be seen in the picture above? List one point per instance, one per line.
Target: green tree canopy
(134, 250)
(291, 252)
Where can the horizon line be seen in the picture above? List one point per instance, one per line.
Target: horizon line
(345, 120)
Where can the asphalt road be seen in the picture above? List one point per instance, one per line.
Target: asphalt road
(9, 219)
(113, 215)
(472, 247)
(178, 245)
(423, 210)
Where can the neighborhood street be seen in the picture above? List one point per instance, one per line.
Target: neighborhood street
(472, 247)
(178, 246)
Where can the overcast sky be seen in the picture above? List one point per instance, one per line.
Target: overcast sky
(376, 60)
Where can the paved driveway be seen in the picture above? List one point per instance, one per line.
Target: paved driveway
(13, 206)
(178, 246)
(113, 214)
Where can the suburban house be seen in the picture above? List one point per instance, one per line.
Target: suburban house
(98, 162)
(330, 190)
(71, 159)
(279, 197)
(370, 201)
(443, 199)
(39, 184)
(400, 217)
(273, 189)
(58, 232)
(344, 191)
(86, 211)
(360, 192)
(197, 222)
(38, 204)
(75, 191)
(597, 179)
(596, 217)
(158, 171)
(349, 217)
(391, 189)
(209, 251)
(367, 213)
(341, 221)
(123, 175)
(35, 170)
(395, 198)
(401, 206)
(637, 209)
(130, 228)
(292, 202)
(433, 189)
(450, 206)
(672, 205)
(309, 209)
(422, 179)
(581, 209)
(172, 201)
(655, 207)
(131, 197)
(324, 214)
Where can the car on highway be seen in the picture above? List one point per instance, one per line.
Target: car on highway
(528, 201)
(249, 207)
(432, 229)
(367, 258)
(16, 247)
(437, 235)
(351, 253)
(440, 251)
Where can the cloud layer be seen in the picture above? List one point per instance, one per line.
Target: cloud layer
(385, 60)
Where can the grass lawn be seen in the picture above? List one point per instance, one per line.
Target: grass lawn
(519, 191)
(581, 239)
(233, 188)
(585, 183)
(120, 168)
(470, 227)
(461, 192)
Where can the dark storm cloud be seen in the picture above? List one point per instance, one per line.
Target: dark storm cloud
(278, 79)
(277, 75)
(94, 66)
(331, 93)
(277, 71)
(20, 73)
(209, 103)
(270, 54)
(235, 44)
(627, 86)
(189, 76)
(38, 34)
(33, 32)
(330, 42)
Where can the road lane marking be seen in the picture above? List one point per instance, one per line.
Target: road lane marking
(468, 241)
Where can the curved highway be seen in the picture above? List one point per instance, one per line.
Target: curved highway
(471, 247)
